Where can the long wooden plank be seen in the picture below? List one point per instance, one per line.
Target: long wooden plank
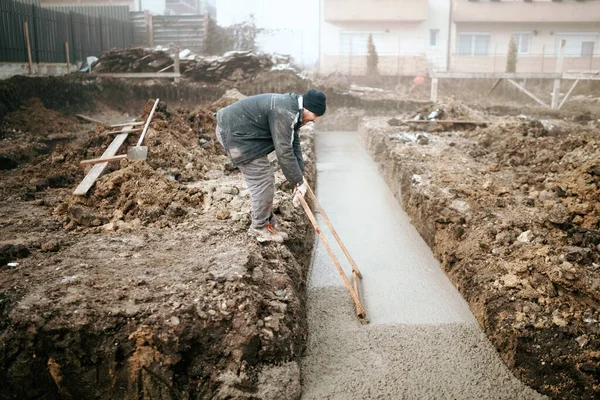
(443, 121)
(139, 75)
(528, 93)
(83, 117)
(127, 124)
(97, 169)
(496, 75)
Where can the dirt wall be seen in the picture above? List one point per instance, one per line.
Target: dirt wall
(148, 286)
(512, 212)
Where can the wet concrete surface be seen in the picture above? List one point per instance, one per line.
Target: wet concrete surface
(422, 340)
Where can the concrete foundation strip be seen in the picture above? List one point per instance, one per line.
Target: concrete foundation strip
(360, 310)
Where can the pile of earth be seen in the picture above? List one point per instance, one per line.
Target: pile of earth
(512, 212)
(47, 127)
(182, 148)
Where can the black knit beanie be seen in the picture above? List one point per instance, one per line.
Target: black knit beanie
(314, 101)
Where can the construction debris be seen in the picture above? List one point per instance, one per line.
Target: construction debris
(134, 59)
(233, 66)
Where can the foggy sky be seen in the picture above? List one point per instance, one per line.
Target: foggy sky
(294, 25)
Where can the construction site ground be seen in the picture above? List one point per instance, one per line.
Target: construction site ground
(149, 287)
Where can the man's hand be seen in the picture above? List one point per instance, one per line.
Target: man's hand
(300, 190)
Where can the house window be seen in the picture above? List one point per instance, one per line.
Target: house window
(587, 49)
(434, 36)
(576, 44)
(355, 43)
(473, 44)
(522, 40)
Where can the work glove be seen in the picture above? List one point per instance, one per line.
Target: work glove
(300, 190)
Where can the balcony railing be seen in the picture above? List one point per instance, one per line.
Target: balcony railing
(419, 64)
(375, 10)
(527, 11)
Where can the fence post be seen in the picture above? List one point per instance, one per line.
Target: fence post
(559, 67)
(543, 52)
(35, 34)
(26, 31)
(350, 59)
(206, 23)
(68, 60)
(73, 36)
(495, 54)
(149, 28)
(176, 64)
(434, 89)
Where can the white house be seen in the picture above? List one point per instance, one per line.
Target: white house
(417, 36)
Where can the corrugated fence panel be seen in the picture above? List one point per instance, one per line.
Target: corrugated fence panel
(51, 31)
(31, 2)
(185, 31)
(140, 30)
(120, 13)
(13, 46)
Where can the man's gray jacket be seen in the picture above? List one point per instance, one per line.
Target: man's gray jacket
(255, 126)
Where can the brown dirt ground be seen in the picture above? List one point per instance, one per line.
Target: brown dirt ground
(512, 211)
(148, 287)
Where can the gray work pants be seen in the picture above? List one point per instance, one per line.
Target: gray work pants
(260, 178)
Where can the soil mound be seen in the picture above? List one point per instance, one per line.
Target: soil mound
(35, 118)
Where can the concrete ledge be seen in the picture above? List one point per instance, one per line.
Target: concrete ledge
(8, 70)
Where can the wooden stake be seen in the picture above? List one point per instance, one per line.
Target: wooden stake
(335, 235)
(89, 119)
(568, 94)
(166, 68)
(528, 93)
(361, 311)
(127, 124)
(28, 47)
(68, 58)
(494, 86)
(121, 131)
(101, 160)
(176, 65)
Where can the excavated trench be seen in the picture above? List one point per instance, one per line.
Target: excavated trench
(422, 341)
(149, 288)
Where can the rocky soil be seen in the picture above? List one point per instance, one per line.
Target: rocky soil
(512, 212)
(148, 287)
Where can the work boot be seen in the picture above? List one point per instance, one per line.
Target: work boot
(267, 234)
(284, 235)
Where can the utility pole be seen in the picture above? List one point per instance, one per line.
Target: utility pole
(449, 46)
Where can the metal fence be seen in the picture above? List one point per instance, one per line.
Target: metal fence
(48, 31)
(120, 13)
(185, 31)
